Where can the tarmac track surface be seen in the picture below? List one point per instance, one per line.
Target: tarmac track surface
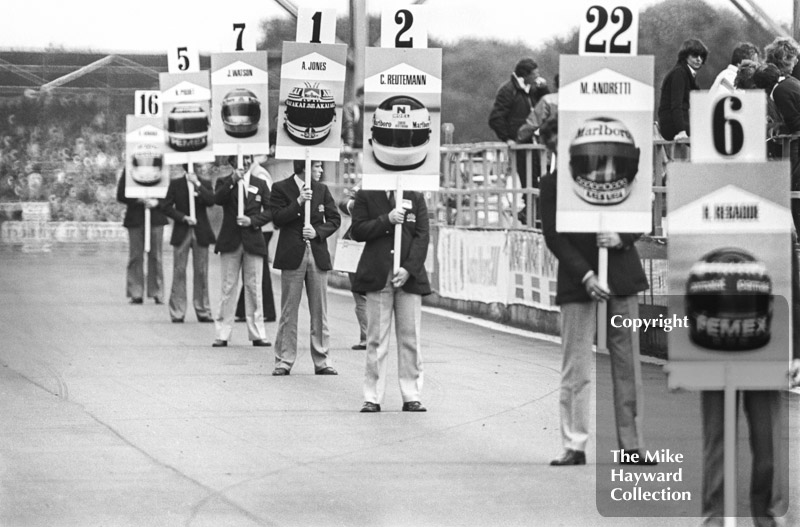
(113, 416)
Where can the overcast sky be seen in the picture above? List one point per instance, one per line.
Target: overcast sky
(154, 25)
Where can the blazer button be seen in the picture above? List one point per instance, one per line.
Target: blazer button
(392, 251)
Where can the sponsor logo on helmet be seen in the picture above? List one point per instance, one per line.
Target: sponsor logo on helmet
(729, 301)
(604, 161)
(310, 114)
(401, 128)
(187, 127)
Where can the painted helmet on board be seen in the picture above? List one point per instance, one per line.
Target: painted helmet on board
(603, 160)
(401, 131)
(241, 112)
(310, 114)
(187, 127)
(729, 301)
(148, 162)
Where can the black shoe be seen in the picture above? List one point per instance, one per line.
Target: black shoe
(262, 343)
(370, 408)
(219, 343)
(326, 371)
(628, 456)
(359, 347)
(158, 301)
(136, 300)
(177, 321)
(414, 406)
(570, 457)
(280, 372)
(205, 319)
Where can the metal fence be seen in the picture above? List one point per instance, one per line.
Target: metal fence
(480, 186)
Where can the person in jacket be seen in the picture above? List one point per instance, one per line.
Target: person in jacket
(578, 291)
(267, 297)
(673, 106)
(303, 258)
(134, 223)
(359, 299)
(241, 247)
(513, 103)
(375, 214)
(189, 233)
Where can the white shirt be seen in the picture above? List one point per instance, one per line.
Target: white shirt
(724, 81)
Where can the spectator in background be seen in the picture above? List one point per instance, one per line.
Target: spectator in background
(512, 105)
(267, 230)
(744, 81)
(673, 106)
(785, 91)
(303, 258)
(346, 208)
(782, 52)
(189, 233)
(240, 245)
(134, 222)
(546, 108)
(353, 122)
(725, 79)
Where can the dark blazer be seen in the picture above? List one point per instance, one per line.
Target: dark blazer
(673, 106)
(577, 254)
(289, 216)
(371, 225)
(134, 214)
(511, 108)
(176, 206)
(256, 208)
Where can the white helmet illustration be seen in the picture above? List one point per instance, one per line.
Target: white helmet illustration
(603, 160)
(401, 130)
(148, 162)
(310, 113)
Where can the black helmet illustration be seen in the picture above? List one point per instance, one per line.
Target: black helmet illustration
(187, 127)
(310, 113)
(241, 111)
(148, 162)
(729, 301)
(603, 160)
(401, 131)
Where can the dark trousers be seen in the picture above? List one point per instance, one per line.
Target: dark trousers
(268, 300)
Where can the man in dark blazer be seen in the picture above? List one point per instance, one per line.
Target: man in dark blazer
(241, 248)
(375, 215)
(578, 292)
(303, 258)
(189, 233)
(134, 222)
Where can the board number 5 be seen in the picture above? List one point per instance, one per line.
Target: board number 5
(183, 59)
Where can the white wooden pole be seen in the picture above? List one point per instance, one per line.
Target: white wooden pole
(240, 185)
(146, 230)
(308, 185)
(190, 185)
(398, 229)
(729, 474)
